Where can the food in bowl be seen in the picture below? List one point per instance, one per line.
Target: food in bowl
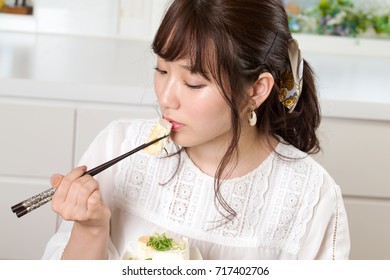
(161, 247)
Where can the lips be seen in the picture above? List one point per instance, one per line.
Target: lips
(175, 125)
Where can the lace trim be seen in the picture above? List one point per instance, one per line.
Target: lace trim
(336, 222)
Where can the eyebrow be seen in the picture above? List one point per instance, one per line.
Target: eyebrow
(191, 70)
(187, 67)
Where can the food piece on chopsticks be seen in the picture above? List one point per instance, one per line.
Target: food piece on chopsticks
(162, 128)
(161, 247)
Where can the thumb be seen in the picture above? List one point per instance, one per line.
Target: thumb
(55, 180)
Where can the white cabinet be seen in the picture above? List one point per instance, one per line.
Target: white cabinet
(355, 152)
(92, 119)
(39, 138)
(369, 227)
(24, 238)
(36, 140)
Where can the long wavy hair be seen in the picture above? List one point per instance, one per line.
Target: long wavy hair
(236, 41)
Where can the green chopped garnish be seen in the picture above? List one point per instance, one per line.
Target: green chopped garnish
(161, 242)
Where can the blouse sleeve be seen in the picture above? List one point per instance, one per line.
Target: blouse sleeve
(103, 148)
(328, 237)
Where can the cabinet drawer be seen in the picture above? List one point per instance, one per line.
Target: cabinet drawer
(369, 228)
(356, 154)
(26, 237)
(36, 140)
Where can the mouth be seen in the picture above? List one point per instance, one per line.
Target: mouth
(175, 125)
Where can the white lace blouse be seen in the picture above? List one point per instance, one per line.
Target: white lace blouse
(286, 208)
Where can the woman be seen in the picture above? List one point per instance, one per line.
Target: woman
(244, 113)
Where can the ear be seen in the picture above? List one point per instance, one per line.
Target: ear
(261, 89)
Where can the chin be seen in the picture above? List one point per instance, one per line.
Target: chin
(182, 140)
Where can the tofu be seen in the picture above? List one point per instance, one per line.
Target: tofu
(162, 128)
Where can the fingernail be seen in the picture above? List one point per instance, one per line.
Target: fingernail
(56, 180)
(83, 167)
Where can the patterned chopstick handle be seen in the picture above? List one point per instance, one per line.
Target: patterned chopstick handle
(46, 196)
(33, 202)
(39, 197)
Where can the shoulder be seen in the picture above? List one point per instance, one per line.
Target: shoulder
(298, 177)
(303, 192)
(298, 165)
(305, 176)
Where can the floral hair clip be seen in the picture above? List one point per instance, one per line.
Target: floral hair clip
(291, 81)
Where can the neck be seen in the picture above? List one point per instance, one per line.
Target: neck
(253, 149)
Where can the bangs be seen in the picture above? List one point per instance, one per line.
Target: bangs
(182, 35)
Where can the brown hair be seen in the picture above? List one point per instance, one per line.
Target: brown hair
(237, 41)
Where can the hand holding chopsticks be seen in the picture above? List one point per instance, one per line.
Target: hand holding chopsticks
(38, 200)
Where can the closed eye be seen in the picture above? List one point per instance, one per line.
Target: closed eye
(160, 71)
(194, 86)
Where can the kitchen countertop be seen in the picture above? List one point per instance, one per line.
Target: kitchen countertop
(118, 71)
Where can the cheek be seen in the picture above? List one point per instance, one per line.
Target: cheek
(219, 108)
(212, 114)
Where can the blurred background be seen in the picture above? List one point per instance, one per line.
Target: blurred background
(68, 68)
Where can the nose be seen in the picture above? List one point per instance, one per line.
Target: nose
(167, 92)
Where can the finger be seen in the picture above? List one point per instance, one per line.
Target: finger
(94, 204)
(76, 172)
(71, 198)
(74, 206)
(66, 182)
(89, 186)
(55, 180)
(84, 186)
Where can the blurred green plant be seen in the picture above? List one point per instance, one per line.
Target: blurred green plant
(340, 17)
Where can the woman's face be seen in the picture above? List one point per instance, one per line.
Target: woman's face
(194, 105)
